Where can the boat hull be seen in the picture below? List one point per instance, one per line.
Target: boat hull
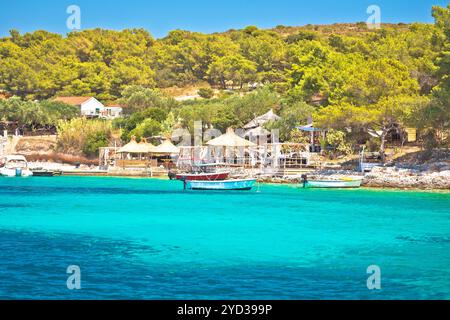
(44, 173)
(227, 185)
(203, 176)
(15, 172)
(334, 184)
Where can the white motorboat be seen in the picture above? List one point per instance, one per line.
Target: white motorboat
(14, 166)
(346, 182)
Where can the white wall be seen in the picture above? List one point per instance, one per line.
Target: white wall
(92, 107)
(113, 112)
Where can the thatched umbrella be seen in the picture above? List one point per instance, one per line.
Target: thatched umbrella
(166, 148)
(231, 140)
(131, 147)
(257, 132)
(142, 148)
(146, 147)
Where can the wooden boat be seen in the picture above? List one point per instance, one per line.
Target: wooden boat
(344, 183)
(45, 173)
(226, 185)
(203, 176)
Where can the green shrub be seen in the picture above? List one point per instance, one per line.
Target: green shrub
(81, 136)
(146, 129)
(337, 140)
(206, 93)
(94, 141)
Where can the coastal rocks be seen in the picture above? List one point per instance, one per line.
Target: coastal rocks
(380, 177)
(392, 177)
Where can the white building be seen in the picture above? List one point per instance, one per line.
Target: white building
(89, 106)
(113, 111)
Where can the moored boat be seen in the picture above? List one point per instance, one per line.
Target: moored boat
(339, 184)
(203, 176)
(203, 172)
(45, 173)
(233, 184)
(15, 166)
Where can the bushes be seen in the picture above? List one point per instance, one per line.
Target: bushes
(82, 136)
(94, 141)
(337, 141)
(146, 129)
(206, 93)
(297, 136)
(33, 115)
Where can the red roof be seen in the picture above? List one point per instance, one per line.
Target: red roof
(114, 105)
(74, 101)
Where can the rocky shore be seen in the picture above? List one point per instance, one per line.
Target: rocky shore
(408, 179)
(382, 177)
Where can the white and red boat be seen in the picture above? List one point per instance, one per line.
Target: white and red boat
(215, 176)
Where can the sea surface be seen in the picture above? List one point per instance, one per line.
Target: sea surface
(149, 239)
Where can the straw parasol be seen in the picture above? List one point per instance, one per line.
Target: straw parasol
(257, 132)
(137, 148)
(146, 147)
(230, 139)
(261, 120)
(131, 147)
(166, 147)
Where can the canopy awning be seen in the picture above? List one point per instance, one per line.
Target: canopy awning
(167, 147)
(146, 147)
(136, 148)
(261, 120)
(310, 128)
(257, 132)
(230, 139)
(131, 147)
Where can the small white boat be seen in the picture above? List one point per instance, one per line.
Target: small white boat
(334, 184)
(342, 183)
(15, 166)
(243, 184)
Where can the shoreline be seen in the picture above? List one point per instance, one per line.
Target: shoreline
(395, 177)
(293, 181)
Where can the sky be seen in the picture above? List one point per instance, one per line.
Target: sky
(208, 16)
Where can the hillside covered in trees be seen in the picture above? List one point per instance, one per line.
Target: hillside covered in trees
(346, 75)
(102, 63)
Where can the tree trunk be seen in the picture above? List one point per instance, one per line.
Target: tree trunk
(383, 145)
(224, 85)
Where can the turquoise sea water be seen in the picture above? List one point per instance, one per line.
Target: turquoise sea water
(149, 239)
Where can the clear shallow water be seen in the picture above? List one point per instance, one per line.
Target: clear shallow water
(149, 239)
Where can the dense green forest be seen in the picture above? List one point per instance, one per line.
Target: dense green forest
(102, 63)
(345, 75)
